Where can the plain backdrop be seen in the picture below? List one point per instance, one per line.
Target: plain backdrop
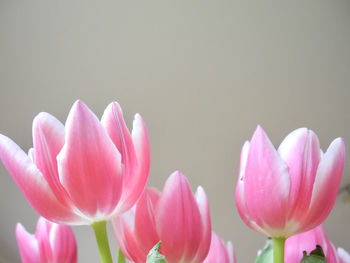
(203, 74)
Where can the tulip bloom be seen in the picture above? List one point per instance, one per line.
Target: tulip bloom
(219, 252)
(180, 220)
(307, 241)
(51, 243)
(84, 172)
(290, 190)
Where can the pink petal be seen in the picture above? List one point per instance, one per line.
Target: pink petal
(243, 210)
(145, 221)
(344, 256)
(63, 244)
(203, 205)
(124, 227)
(295, 245)
(48, 140)
(217, 252)
(231, 252)
(180, 225)
(266, 181)
(89, 165)
(307, 241)
(327, 182)
(243, 160)
(28, 247)
(118, 227)
(135, 183)
(31, 154)
(33, 185)
(239, 194)
(332, 255)
(328, 247)
(42, 234)
(113, 122)
(301, 152)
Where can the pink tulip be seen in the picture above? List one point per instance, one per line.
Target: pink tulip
(51, 243)
(180, 220)
(85, 171)
(219, 252)
(291, 190)
(307, 241)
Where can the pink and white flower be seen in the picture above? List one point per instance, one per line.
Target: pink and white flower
(290, 190)
(174, 216)
(85, 171)
(51, 243)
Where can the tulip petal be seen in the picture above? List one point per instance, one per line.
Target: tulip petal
(27, 245)
(136, 182)
(301, 152)
(243, 210)
(113, 122)
(239, 194)
(180, 223)
(134, 150)
(328, 178)
(145, 222)
(42, 235)
(266, 181)
(307, 241)
(203, 205)
(124, 227)
(48, 140)
(31, 154)
(295, 245)
(33, 185)
(231, 252)
(344, 256)
(332, 255)
(90, 165)
(63, 244)
(217, 252)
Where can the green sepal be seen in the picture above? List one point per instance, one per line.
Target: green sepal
(266, 255)
(316, 256)
(154, 256)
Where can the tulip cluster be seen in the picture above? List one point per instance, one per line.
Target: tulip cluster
(90, 171)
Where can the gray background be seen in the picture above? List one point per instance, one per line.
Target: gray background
(203, 74)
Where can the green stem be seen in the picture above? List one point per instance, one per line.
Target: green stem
(121, 258)
(102, 241)
(278, 249)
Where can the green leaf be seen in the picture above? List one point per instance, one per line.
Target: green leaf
(154, 256)
(316, 256)
(121, 258)
(266, 255)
